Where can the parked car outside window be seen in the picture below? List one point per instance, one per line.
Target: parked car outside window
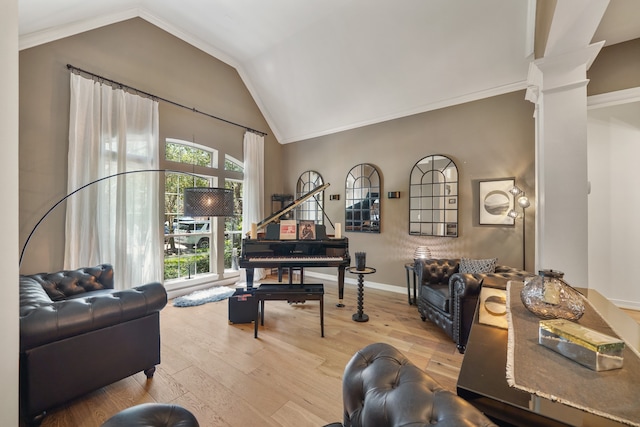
(191, 232)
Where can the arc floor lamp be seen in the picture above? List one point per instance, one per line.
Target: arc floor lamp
(198, 201)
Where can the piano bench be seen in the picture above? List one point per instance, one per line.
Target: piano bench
(282, 292)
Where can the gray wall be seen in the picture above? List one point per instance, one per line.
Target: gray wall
(616, 67)
(487, 139)
(140, 55)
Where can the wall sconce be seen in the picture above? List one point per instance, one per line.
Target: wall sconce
(523, 202)
(334, 197)
(393, 195)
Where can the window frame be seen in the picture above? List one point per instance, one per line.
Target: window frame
(215, 174)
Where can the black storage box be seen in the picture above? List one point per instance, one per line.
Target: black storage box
(242, 306)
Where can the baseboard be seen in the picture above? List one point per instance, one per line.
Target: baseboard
(629, 305)
(354, 281)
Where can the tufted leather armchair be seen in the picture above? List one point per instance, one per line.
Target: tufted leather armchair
(382, 388)
(78, 334)
(448, 298)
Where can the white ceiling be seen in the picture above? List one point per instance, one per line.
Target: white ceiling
(316, 67)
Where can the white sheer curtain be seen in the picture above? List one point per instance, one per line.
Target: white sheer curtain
(253, 186)
(116, 220)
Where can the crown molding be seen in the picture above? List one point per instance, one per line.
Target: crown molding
(450, 102)
(37, 38)
(189, 39)
(610, 99)
(52, 34)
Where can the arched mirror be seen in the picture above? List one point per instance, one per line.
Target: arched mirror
(433, 197)
(312, 208)
(362, 198)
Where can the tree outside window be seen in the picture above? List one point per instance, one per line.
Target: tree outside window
(233, 225)
(190, 242)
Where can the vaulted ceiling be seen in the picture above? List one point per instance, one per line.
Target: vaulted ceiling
(316, 67)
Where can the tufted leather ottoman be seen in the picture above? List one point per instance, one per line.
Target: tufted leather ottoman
(153, 415)
(382, 388)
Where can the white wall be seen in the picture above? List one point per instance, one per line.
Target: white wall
(9, 213)
(614, 202)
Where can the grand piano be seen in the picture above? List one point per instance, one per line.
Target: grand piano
(267, 250)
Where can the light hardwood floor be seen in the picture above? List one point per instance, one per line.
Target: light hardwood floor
(289, 376)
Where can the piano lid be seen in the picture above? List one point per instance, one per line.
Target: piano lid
(298, 201)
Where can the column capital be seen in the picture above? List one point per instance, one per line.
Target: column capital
(558, 72)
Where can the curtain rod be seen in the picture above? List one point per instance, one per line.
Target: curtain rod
(122, 85)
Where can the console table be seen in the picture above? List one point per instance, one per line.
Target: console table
(291, 293)
(482, 380)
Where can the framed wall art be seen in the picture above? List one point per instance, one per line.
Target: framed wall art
(495, 201)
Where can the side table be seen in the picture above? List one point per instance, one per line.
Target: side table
(360, 316)
(410, 267)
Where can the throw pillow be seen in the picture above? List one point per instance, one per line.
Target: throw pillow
(478, 265)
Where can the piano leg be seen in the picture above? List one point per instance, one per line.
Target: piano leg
(341, 269)
(249, 273)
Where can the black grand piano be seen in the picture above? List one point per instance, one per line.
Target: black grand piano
(269, 251)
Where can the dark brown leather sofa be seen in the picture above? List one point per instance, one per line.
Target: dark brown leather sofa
(448, 298)
(382, 388)
(78, 334)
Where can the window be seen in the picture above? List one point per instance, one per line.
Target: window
(187, 247)
(190, 153)
(312, 208)
(233, 225)
(190, 242)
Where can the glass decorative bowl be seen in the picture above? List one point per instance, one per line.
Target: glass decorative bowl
(548, 296)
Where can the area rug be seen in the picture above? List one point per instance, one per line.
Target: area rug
(203, 296)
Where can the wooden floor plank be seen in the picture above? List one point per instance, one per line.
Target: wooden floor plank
(291, 415)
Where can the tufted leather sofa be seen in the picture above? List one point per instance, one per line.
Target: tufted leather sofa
(448, 298)
(78, 334)
(382, 388)
(153, 415)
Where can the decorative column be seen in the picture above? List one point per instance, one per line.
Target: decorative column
(558, 87)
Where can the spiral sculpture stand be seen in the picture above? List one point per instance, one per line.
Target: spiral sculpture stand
(360, 316)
